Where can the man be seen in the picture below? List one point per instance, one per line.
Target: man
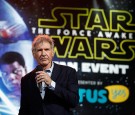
(12, 67)
(60, 85)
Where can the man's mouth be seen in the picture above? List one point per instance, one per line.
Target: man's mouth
(43, 59)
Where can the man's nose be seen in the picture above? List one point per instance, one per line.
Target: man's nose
(43, 52)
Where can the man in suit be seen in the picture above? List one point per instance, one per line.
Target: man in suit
(59, 91)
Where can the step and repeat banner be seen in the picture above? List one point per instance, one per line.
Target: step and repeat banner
(96, 37)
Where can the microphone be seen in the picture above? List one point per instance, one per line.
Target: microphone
(39, 68)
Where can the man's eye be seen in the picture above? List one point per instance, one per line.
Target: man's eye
(47, 49)
(38, 50)
(17, 71)
(4, 73)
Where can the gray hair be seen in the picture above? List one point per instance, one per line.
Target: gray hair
(40, 39)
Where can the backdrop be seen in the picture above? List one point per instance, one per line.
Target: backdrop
(96, 37)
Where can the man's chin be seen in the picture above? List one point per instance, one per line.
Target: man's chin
(44, 64)
(13, 88)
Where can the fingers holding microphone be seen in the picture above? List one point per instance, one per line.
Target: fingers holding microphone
(39, 78)
(43, 77)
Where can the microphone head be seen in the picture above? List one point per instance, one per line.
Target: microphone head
(39, 68)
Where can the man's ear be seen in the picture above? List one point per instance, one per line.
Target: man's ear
(33, 53)
(53, 53)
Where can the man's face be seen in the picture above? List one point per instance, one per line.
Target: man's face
(11, 75)
(44, 54)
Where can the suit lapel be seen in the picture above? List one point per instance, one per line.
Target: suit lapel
(34, 84)
(55, 72)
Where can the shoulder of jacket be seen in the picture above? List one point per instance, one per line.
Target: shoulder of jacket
(27, 76)
(64, 66)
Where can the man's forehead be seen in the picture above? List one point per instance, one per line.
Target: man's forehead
(43, 44)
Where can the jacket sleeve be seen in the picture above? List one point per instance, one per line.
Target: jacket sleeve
(70, 92)
(24, 105)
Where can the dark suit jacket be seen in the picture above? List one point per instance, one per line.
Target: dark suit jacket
(55, 102)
